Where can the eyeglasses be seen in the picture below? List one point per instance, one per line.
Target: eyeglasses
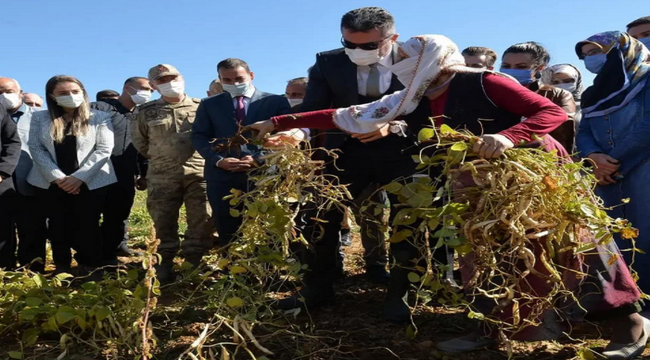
(592, 52)
(367, 46)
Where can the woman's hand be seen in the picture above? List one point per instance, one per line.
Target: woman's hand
(605, 166)
(492, 146)
(380, 133)
(293, 137)
(264, 127)
(70, 184)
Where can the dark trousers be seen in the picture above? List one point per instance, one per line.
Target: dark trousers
(74, 223)
(361, 165)
(7, 231)
(119, 200)
(31, 223)
(225, 224)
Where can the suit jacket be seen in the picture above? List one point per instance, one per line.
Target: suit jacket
(93, 152)
(216, 122)
(25, 163)
(9, 149)
(333, 84)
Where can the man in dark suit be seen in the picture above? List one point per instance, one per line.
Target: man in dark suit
(218, 118)
(9, 155)
(359, 73)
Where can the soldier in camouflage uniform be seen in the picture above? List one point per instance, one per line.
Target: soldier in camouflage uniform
(162, 132)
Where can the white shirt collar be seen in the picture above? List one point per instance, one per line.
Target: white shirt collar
(387, 61)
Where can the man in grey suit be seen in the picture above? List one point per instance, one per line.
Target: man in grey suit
(219, 117)
(9, 154)
(27, 217)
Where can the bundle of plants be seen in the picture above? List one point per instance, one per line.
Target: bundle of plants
(527, 227)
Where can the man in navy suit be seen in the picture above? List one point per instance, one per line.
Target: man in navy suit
(217, 119)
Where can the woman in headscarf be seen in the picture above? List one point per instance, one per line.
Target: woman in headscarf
(567, 77)
(615, 133)
(525, 62)
(439, 85)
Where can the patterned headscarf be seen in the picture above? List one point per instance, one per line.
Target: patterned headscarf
(622, 77)
(426, 59)
(568, 69)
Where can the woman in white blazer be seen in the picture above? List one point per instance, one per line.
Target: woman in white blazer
(71, 147)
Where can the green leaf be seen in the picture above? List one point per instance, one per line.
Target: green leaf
(30, 336)
(459, 146)
(585, 354)
(393, 188)
(33, 301)
(235, 213)
(446, 129)
(15, 354)
(65, 314)
(425, 134)
(413, 277)
(410, 332)
(39, 280)
(400, 236)
(235, 302)
(102, 313)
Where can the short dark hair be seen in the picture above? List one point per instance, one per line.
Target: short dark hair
(300, 81)
(366, 19)
(232, 63)
(106, 94)
(537, 51)
(640, 21)
(490, 55)
(133, 79)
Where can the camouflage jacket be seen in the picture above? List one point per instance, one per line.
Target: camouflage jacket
(162, 132)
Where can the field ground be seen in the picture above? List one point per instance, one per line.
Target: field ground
(352, 328)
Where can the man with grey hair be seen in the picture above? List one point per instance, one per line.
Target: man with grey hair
(215, 88)
(295, 91)
(15, 164)
(33, 100)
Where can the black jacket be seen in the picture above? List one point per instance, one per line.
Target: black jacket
(9, 150)
(333, 84)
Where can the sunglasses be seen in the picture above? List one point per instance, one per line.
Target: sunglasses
(366, 46)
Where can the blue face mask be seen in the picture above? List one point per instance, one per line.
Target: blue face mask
(645, 41)
(523, 76)
(595, 63)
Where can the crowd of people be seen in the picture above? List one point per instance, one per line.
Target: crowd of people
(70, 173)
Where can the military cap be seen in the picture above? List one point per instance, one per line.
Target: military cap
(161, 70)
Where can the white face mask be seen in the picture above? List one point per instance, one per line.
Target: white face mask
(173, 88)
(10, 100)
(570, 87)
(365, 57)
(70, 101)
(141, 96)
(238, 89)
(294, 102)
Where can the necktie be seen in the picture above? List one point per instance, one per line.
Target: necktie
(240, 109)
(372, 86)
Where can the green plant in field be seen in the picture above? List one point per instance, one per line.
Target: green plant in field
(107, 317)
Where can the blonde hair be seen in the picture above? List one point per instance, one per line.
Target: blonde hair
(80, 116)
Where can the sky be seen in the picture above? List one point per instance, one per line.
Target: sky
(102, 43)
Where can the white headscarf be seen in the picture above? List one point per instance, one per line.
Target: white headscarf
(427, 57)
(572, 71)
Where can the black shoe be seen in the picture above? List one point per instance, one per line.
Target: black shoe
(396, 310)
(165, 273)
(306, 299)
(377, 274)
(346, 237)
